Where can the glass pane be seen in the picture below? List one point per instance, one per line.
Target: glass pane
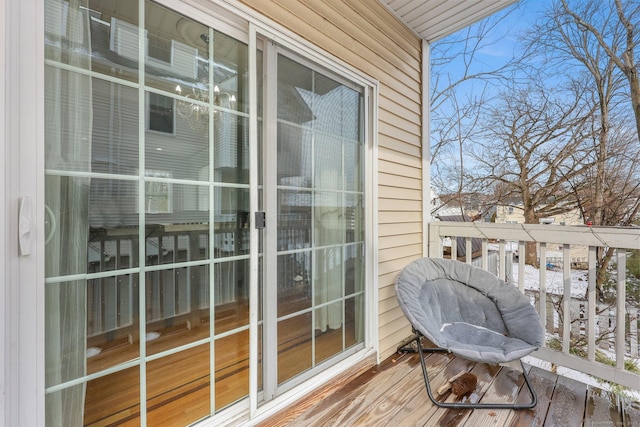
(354, 320)
(294, 282)
(294, 80)
(294, 346)
(108, 113)
(294, 220)
(232, 368)
(328, 276)
(184, 152)
(178, 388)
(354, 166)
(113, 331)
(328, 332)
(354, 268)
(175, 307)
(329, 219)
(231, 138)
(231, 281)
(294, 156)
(354, 218)
(114, 399)
(177, 226)
(177, 57)
(328, 159)
(102, 37)
(231, 221)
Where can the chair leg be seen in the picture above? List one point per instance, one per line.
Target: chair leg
(467, 405)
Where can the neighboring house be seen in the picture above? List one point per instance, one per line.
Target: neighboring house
(205, 203)
(514, 214)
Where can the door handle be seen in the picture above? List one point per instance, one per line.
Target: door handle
(24, 226)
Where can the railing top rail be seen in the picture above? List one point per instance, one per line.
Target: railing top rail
(615, 237)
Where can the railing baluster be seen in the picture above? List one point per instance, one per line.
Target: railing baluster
(485, 254)
(566, 298)
(621, 298)
(454, 247)
(468, 251)
(543, 285)
(521, 267)
(502, 271)
(591, 292)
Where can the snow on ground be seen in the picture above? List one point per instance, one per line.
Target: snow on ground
(554, 283)
(554, 280)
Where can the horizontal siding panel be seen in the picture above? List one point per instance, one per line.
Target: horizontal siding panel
(399, 252)
(399, 193)
(397, 179)
(389, 305)
(401, 240)
(403, 228)
(395, 265)
(396, 108)
(397, 133)
(392, 168)
(396, 219)
(378, 41)
(389, 24)
(400, 205)
(403, 150)
(391, 335)
(402, 122)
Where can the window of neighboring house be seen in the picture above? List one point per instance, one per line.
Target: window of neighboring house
(510, 209)
(161, 113)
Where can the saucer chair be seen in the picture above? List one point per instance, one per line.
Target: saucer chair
(469, 312)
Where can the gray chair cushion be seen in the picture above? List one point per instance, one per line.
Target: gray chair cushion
(468, 311)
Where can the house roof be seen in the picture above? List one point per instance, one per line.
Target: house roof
(435, 19)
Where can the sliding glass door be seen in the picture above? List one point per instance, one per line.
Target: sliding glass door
(147, 202)
(150, 210)
(316, 254)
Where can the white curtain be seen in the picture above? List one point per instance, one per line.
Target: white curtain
(68, 118)
(329, 262)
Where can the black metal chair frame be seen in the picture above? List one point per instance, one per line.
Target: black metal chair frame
(407, 347)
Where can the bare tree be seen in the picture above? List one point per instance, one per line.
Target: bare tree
(460, 87)
(619, 38)
(534, 144)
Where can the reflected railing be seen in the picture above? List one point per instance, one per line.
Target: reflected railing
(590, 327)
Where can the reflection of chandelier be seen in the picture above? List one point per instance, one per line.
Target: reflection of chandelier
(196, 111)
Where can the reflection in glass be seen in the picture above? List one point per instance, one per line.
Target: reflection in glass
(294, 282)
(294, 220)
(232, 368)
(113, 331)
(94, 37)
(329, 219)
(113, 399)
(294, 346)
(231, 221)
(178, 387)
(354, 267)
(294, 156)
(354, 218)
(354, 320)
(231, 284)
(328, 340)
(175, 302)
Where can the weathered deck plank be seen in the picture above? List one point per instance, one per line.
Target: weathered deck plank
(543, 382)
(393, 394)
(567, 404)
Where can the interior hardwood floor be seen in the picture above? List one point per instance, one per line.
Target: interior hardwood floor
(178, 386)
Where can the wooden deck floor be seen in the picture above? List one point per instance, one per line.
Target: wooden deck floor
(393, 394)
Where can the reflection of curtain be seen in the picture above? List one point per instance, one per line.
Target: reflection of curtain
(68, 147)
(329, 262)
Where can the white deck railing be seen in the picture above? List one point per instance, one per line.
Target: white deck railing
(599, 329)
